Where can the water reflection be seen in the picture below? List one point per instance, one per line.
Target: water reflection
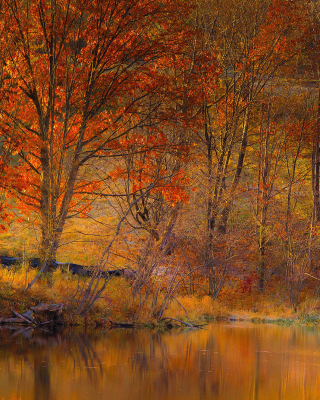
(223, 362)
(41, 378)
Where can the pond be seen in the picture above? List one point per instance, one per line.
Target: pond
(238, 361)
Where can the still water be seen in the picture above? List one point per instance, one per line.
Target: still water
(224, 362)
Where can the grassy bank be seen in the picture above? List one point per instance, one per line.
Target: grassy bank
(117, 303)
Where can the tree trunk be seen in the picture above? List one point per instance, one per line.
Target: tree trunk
(262, 247)
(244, 141)
(53, 218)
(263, 196)
(47, 255)
(316, 167)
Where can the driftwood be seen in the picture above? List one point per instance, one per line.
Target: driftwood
(47, 313)
(192, 326)
(13, 321)
(28, 319)
(113, 324)
(42, 314)
(55, 308)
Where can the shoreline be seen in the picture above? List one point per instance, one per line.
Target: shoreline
(166, 323)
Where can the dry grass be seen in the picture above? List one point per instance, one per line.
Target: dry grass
(118, 304)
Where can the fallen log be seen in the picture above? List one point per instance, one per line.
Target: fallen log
(113, 324)
(24, 317)
(55, 308)
(15, 320)
(190, 325)
(37, 316)
(47, 313)
(76, 269)
(8, 261)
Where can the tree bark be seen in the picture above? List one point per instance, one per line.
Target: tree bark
(244, 142)
(53, 218)
(316, 168)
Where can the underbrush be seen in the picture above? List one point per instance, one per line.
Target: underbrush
(118, 304)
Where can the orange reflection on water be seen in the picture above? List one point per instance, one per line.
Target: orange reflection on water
(223, 362)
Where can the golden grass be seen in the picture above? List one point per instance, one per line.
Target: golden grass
(118, 304)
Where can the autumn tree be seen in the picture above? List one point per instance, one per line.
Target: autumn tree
(296, 223)
(253, 41)
(310, 60)
(271, 141)
(79, 78)
(150, 186)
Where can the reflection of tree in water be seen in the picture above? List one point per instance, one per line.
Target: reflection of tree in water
(38, 345)
(41, 377)
(79, 348)
(144, 360)
(257, 375)
(82, 351)
(152, 361)
(32, 346)
(224, 362)
(210, 370)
